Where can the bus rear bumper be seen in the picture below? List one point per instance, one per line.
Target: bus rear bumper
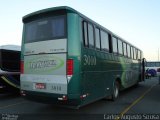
(50, 98)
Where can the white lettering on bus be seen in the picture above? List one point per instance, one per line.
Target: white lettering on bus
(56, 88)
(89, 60)
(42, 64)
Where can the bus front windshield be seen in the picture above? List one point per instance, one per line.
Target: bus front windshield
(45, 29)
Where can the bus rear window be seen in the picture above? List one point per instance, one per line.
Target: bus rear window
(45, 29)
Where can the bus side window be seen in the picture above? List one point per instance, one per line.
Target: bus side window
(120, 47)
(97, 36)
(104, 41)
(129, 50)
(135, 53)
(91, 36)
(124, 49)
(132, 53)
(114, 45)
(85, 34)
(139, 55)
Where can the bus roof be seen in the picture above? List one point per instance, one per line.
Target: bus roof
(49, 10)
(11, 47)
(69, 9)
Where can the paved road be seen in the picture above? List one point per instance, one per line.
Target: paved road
(143, 99)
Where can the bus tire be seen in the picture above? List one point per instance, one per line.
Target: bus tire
(115, 94)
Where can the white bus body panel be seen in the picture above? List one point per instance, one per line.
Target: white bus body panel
(45, 63)
(53, 83)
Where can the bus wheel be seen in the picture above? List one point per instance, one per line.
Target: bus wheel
(115, 91)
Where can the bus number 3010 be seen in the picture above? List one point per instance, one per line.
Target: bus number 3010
(89, 60)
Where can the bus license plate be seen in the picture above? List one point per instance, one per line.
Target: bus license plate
(40, 85)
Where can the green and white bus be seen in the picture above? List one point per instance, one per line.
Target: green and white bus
(68, 59)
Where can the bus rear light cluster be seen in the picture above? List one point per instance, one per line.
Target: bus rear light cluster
(70, 66)
(84, 96)
(64, 98)
(22, 67)
(22, 93)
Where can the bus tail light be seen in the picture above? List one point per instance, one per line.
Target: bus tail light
(84, 96)
(22, 67)
(22, 93)
(64, 98)
(70, 67)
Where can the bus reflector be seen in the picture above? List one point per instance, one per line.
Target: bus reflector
(70, 67)
(22, 67)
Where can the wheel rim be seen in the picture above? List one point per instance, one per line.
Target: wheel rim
(116, 91)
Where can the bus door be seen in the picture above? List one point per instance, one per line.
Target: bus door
(143, 68)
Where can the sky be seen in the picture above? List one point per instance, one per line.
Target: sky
(136, 21)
